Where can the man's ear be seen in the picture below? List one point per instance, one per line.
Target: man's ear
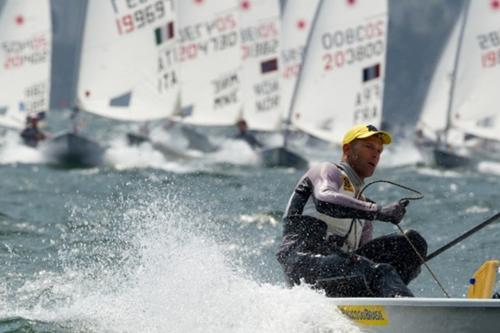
(346, 148)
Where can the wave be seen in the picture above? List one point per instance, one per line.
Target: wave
(164, 269)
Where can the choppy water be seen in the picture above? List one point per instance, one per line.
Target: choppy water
(150, 245)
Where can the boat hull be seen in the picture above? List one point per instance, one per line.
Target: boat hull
(282, 157)
(73, 150)
(446, 159)
(412, 315)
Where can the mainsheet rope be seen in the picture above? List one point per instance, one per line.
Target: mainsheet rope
(404, 202)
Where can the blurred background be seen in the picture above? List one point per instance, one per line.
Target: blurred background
(418, 31)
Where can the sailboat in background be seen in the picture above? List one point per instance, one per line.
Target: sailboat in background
(127, 68)
(127, 61)
(342, 77)
(471, 129)
(260, 42)
(433, 118)
(25, 56)
(296, 23)
(228, 52)
(261, 75)
(210, 58)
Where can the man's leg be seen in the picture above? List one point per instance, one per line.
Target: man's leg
(346, 275)
(395, 250)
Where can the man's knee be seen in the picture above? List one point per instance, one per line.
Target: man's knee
(410, 268)
(386, 282)
(418, 241)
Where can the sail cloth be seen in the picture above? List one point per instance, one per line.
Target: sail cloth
(210, 59)
(25, 55)
(476, 101)
(260, 38)
(466, 102)
(433, 119)
(296, 23)
(342, 77)
(127, 66)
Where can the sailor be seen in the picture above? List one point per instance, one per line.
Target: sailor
(245, 134)
(32, 134)
(327, 237)
(76, 124)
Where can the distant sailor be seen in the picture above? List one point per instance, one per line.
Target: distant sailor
(76, 123)
(245, 134)
(32, 134)
(327, 237)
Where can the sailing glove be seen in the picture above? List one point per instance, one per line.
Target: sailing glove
(392, 213)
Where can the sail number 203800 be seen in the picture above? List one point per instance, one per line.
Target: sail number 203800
(349, 45)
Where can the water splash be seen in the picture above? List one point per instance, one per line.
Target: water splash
(401, 153)
(235, 152)
(175, 156)
(439, 173)
(156, 267)
(122, 156)
(489, 168)
(12, 150)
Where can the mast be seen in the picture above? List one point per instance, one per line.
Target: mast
(78, 53)
(288, 121)
(454, 72)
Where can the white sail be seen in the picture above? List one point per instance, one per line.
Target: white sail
(475, 104)
(296, 24)
(210, 58)
(127, 65)
(260, 39)
(25, 55)
(342, 78)
(433, 119)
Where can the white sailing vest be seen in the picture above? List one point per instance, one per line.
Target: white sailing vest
(337, 226)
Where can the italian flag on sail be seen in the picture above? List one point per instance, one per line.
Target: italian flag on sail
(164, 33)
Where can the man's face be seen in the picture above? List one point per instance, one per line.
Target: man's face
(363, 155)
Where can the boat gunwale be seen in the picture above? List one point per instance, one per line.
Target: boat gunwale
(420, 302)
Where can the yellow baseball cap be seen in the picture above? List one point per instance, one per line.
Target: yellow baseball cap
(363, 131)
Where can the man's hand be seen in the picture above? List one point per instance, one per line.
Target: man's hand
(392, 213)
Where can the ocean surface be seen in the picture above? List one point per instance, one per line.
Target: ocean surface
(150, 244)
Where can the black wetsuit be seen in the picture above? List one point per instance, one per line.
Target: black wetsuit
(31, 136)
(381, 267)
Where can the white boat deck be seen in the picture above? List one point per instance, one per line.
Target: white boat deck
(408, 315)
